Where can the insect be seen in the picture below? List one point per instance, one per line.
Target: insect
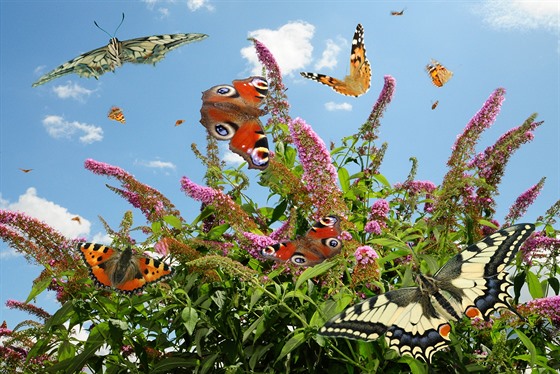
(116, 114)
(319, 244)
(123, 271)
(439, 74)
(25, 170)
(415, 320)
(144, 50)
(358, 81)
(77, 219)
(232, 113)
(179, 122)
(435, 104)
(395, 13)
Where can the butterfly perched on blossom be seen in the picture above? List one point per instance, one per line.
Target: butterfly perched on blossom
(116, 114)
(439, 74)
(319, 244)
(358, 81)
(144, 50)
(231, 112)
(124, 271)
(416, 320)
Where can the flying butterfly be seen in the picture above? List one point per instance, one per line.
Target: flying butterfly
(439, 74)
(77, 219)
(25, 170)
(123, 271)
(144, 50)
(319, 244)
(179, 122)
(116, 114)
(416, 320)
(435, 104)
(396, 13)
(358, 81)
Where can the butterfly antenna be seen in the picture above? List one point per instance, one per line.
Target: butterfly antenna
(105, 31)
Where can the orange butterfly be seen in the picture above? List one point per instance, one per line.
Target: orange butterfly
(116, 114)
(435, 104)
(77, 219)
(395, 13)
(358, 82)
(179, 122)
(439, 74)
(124, 271)
(25, 170)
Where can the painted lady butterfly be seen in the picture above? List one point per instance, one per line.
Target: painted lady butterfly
(116, 114)
(439, 74)
(358, 82)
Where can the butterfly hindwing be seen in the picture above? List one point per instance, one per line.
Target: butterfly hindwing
(416, 320)
(358, 81)
(148, 50)
(319, 244)
(231, 112)
(123, 271)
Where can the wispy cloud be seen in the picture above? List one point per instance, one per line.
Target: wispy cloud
(520, 14)
(332, 106)
(57, 127)
(329, 57)
(49, 212)
(290, 45)
(195, 5)
(73, 91)
(230, 158)
(157, 164)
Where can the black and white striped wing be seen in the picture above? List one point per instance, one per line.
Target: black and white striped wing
(90, 64)
(151, 49)
(415, 320)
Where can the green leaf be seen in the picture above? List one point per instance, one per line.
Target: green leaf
(555, 284)
(344, 178)
(530, 346)
(169, 363)
(62, 315)
(190, 318)
(294, 342)
(381, 179)
(38, 288)
(218, 231)
(66, 350)
(313, 272)
(535, 287)
(173, 221)
(156, 227)
(279, 211)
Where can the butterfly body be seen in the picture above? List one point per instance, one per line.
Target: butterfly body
(116, 114)
(439, 74)
(416, 320)
(358, 81)
(123, 271)
(319, 244)
(231, 112)
(144, 50)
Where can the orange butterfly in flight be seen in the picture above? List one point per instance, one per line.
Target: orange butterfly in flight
(77, 219)
(116, 114)
(395, 13)
(25, 170)
(179, 122)
(358, 81)
(439, 74)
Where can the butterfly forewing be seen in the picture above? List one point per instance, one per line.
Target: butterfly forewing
(415, 320)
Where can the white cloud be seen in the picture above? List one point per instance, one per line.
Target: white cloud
(53, 214)
(9, 253)
(57, 127)
(195, 5)
(72, 90)
(329, 55)
(230, 158)
(290, 45)
(102, 238)
(163, 12)
(520, 14)
(332, 106)
(39, 69)
(157, 164)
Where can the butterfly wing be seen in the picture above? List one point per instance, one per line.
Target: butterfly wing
(231, 113)
(122, 271)
(116, 114)
(358, 82)
(439, 74)
(415, 320)
(319, 244)
(151, 49)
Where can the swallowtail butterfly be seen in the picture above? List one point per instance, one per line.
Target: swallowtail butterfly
(415, 320)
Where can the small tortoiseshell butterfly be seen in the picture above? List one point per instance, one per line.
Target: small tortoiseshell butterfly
(319, 244)
(358, 82)
(439, 74)
(124, 271)
(116, 114)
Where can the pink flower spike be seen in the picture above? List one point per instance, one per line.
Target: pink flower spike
(197, 192)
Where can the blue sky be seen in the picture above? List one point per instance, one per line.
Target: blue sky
(53, 128)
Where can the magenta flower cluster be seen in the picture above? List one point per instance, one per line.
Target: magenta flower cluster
(540, 246)
(258, 242)
(523, 202)
(547, 307)
(204, 194)
(365, 255)
(377, 217)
